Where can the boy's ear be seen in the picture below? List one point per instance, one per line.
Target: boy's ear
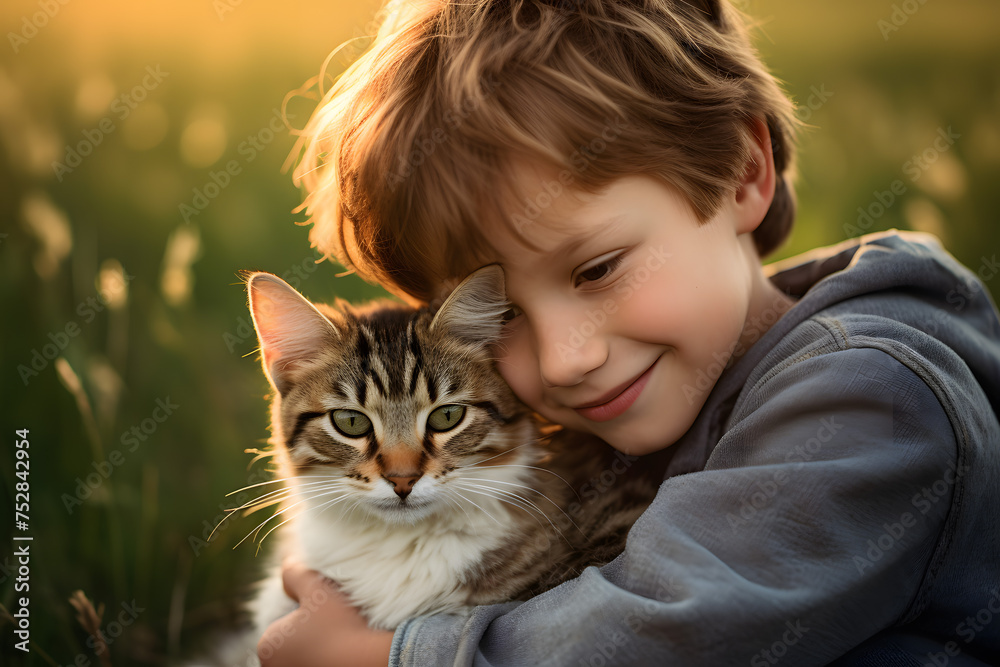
(290, 329)
(473, 312)
(755, 191)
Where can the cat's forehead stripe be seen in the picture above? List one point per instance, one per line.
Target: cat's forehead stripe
(362, 351)
(300, 423)
(431, 387)
(389, 381)
(414, 374)
(341, 392)
(417, 355)
(389, 352)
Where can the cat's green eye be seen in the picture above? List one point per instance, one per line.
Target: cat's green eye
(351, 423)
(446, 417)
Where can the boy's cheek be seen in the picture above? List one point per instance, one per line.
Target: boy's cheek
(516, 371)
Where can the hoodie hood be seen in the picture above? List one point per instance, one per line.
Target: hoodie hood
(903, 276)
(886, 266)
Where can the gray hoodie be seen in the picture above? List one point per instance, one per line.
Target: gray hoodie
(837, 500)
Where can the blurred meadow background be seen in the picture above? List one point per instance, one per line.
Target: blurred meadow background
(141, 147)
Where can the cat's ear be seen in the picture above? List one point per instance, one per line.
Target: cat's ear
(473, 312)
(290, 329)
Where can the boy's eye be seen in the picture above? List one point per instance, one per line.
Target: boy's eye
(599, 271)
(510, 314)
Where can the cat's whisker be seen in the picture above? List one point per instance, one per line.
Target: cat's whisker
(277, 481)
(524, 444)
(517, 501)
(475, 505)
(514, 500)
(498, 481)
(254, 505)
(320, 507)
(554, 504)
(505, 492)
(521, 465)
(354, 506)
(282, 511)
(510, 501)
(330, 503)
(447, 496)
(255, 531)
(278, 492)
(263, 502)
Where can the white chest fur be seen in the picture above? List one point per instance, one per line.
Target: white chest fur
(392, 571)
(395, 572)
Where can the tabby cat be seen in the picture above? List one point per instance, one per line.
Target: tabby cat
(417, 479)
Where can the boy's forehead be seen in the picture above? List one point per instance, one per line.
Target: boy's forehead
(545, 213)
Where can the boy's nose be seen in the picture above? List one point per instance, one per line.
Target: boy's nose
(567, 353)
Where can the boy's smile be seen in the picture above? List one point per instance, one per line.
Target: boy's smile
(625, 303)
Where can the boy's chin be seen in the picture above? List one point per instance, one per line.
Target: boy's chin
(635, 441)
(641, 449)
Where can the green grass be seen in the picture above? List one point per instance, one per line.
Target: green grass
(131, 538)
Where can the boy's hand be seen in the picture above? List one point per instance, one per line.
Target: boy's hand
(325, 631)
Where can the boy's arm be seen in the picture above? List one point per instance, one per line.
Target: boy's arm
(810, 529)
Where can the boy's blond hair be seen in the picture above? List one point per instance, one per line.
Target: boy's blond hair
(414, 146)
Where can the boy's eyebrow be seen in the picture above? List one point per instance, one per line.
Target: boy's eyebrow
(572, 244)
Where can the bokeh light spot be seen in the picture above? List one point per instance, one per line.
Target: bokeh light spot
(204, 138)
(112, 285)
(183, 248)
(146, 126)
(51, 227)
(93, 96)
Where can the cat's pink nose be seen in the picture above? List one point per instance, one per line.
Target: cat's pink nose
(403, 485)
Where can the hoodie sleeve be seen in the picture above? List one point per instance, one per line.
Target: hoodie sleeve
(814, 524)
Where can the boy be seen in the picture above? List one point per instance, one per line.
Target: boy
(832, 495)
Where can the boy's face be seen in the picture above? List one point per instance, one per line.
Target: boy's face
(628, 311)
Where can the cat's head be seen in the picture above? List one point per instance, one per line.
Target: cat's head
(394, 407)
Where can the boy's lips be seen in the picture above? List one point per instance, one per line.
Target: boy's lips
(616, 401)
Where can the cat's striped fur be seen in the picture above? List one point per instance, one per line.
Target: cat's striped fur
(412, 520)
